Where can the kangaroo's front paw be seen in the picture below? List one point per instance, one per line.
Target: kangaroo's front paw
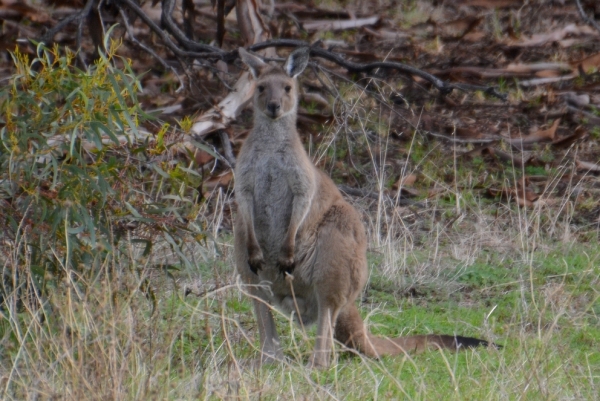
(286, 264)
(256, 260)
(256, 265)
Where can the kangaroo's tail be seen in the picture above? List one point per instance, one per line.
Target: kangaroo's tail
(350, 331)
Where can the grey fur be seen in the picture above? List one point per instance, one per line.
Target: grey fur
(296, 235)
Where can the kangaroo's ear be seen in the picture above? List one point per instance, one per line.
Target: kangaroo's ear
(297, 62)
(253, 62)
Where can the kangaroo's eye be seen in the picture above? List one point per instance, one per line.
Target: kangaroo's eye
(288, 89)
(261, 88)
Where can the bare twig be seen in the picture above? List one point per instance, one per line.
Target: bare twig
(443, 87)
(227, 150)
(148, 49)
(592, 118)
(490, 90)
(585, 17)
(365, 193)
(47, 37)
(192, 49)
(331, 90)
(220, 21)
(80, 20)
(173, 29)
(165, 37)
(453, 139)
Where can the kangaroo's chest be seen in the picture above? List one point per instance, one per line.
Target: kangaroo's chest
(271, 181)
(273, 198)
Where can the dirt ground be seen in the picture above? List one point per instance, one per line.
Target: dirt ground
(542, 57)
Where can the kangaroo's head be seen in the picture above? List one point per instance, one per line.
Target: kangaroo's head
(276, 91)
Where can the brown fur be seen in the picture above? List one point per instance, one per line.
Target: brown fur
(292, 219)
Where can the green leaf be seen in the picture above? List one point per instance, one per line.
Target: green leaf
(160, 171)
(132, 210)
(148, 247)
(124, 110)
(75, 230)
(189, 171)
(98, 126)
(205, 148)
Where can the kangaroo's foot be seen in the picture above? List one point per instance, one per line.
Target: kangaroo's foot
(319, 360)
(271, 357)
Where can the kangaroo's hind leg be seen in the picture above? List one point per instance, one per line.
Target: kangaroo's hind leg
(339, 274)
(323, 343)
(270, 345)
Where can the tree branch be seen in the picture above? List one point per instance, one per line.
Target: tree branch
(191, 49)
(365, 193)
(148, 49)
(227, 149)
(173, 29)
(444, 87)
(585, 17)
(66, 21)
(164, 36)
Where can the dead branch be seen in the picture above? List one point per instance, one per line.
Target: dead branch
(352, 67)
(212, 51)
(588, 20)
(173, 29)
(148, 49)
(227, 149)
(365, 193)
(453, 139)
(190, 49)
(220, 21)
(77, 17)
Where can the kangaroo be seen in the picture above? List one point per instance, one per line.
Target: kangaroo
(298, 244)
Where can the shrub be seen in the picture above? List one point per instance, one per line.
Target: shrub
(77, 174)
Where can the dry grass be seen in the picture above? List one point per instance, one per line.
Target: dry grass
(105, 335)
(458, 261)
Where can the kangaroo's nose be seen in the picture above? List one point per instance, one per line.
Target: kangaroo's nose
(273, 107)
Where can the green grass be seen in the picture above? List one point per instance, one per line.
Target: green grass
(156, 311)
(549, 349)
(545, 314)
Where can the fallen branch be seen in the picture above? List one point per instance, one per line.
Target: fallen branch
(365, 193)
(148, 49)
(77, 17)
(220, 116)
(338, 25)
(352, 67)
(227, 149)
(592, 118)
(190, 49)
(587, 166)
(213, 52)
(585, 17)
(453, 139)
(173, 29)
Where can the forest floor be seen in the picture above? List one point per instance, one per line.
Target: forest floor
(483, 213)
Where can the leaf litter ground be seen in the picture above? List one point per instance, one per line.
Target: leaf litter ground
(539, 150)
